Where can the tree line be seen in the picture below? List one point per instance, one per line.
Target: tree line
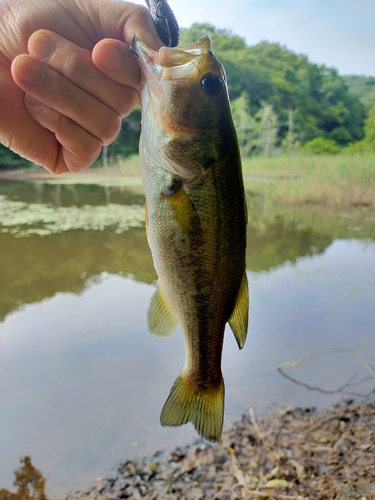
(281, 101)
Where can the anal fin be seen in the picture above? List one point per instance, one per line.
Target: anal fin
(160, 317)
(239, 318)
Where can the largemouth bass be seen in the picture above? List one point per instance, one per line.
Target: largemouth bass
(196, 221)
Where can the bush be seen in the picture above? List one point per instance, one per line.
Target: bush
(321, 146)
(359, 147)
(367, 144)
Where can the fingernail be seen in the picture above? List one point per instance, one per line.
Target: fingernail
(41, 46)
(29, 70)
(110, 58)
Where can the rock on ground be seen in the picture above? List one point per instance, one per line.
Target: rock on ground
(293, 454)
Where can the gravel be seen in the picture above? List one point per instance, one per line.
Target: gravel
(296, 454)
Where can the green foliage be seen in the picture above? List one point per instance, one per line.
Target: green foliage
(321, 146)
(10, 160)
(291, 141)
(368, 142)
(268, 128)
(246, 126)
(256, 135)
(126, 143)
(370, 127)
(363, 87)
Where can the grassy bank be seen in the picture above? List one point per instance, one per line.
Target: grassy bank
(338, 181)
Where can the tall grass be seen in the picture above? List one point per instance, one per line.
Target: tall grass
(336, 180)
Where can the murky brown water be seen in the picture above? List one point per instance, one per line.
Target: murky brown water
(82, 382)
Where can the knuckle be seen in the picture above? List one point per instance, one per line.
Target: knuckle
(126, 102)
(73, 65)
(64, 96)
(57, 119)
(109, 128)
(141, 12)
(90, 150)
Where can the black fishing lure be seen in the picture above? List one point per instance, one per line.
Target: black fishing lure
(165, 22)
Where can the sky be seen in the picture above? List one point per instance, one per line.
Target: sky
(337, 33)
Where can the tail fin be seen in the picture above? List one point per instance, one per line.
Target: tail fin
(204, 408)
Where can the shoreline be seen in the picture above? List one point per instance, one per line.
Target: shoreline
(342, 181)
(97, 175)
(294, 454)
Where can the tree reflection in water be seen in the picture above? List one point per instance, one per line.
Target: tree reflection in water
(29, 482)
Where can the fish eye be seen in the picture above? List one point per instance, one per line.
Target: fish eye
(211, 83)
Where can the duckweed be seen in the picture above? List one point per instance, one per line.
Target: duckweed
(23, 219)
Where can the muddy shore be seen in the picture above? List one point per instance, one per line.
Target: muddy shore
(291, 454)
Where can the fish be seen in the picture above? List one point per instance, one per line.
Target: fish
(196, 219)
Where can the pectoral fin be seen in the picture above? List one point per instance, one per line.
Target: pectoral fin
(239, 318)
(161, 320)
(185, 213)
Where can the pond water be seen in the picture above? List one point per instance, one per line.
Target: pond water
(82, 382)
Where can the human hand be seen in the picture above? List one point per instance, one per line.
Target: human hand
(56, 108)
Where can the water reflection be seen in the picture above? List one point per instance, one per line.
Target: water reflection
(64, 195)
(29, 482)
(35, 268)
(81, 380)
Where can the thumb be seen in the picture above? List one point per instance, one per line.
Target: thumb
(124, 20)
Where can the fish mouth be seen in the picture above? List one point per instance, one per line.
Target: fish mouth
(171, 63)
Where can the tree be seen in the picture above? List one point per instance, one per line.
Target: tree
(268, 128)
(368, 142)
(245, 124)
(363, 87)
(291, 141)
(370, 127)
(126, 143)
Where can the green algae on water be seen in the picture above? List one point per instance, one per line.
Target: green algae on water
(22, 219)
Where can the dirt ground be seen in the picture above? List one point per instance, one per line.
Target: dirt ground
(293, 454)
